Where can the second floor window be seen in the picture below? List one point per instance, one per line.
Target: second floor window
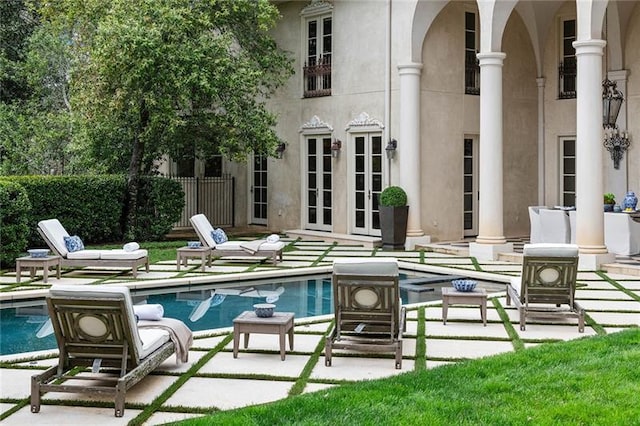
(471, 65)
(317, 66)
(567, 68)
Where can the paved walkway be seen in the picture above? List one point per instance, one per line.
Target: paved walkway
(212, 380)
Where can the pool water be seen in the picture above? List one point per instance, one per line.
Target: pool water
(211, 306)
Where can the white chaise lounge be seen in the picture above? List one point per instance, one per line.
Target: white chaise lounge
(257, 248)
(54, 233)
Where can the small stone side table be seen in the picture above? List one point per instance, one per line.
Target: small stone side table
(452, 296)
(281, 323)
(37, 262)
(204, 253)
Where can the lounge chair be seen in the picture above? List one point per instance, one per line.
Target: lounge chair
(96, 332)
(547, 283)
(54, 234)
(369, 316)
(256, 248)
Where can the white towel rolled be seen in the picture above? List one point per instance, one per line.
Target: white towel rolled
(133, 246)
(273, 238)
(150, 312)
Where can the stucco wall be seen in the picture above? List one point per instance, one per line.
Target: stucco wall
(448, 115)
(632, 59)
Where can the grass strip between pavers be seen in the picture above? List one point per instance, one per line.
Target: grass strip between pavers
(516, 341)
(164, 396)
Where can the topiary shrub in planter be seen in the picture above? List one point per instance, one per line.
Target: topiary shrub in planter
(394, 213)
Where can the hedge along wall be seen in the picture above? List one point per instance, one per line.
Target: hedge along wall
(92, 206)
(88, 206)
(15, 209)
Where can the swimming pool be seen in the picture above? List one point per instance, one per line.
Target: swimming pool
(211, 306)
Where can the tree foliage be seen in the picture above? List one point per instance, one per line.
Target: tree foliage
(156, 75)
(128, 82)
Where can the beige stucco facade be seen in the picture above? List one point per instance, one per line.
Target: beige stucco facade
(379, 48)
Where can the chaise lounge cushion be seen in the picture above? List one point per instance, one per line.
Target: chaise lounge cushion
(118, 254)
(374, 266)
(84, 255)
(56, 234)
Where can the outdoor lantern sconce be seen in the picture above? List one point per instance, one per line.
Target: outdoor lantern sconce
(391, 149)
(615, 141)
(280, 149)
(336, 146)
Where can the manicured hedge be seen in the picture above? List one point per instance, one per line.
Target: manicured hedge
(92, 207)
(15, 210)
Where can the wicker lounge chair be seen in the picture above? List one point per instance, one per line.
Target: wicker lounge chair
(96, 329)
(256, 248)
(369, 316)
(53, 234)
(548, 283)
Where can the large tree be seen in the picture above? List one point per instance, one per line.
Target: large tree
(149, 77)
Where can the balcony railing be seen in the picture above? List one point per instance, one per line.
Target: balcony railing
(317, 78)
(567, 72)
(471, 74)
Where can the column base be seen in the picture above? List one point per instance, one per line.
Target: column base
(411, 242)
(489, 251)
(592, 262)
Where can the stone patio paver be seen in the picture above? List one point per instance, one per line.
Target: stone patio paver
(463, 337)
(226, 394)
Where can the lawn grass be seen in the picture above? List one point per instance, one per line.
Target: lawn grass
(587, 381)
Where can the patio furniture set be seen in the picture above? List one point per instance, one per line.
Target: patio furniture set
(97, 331)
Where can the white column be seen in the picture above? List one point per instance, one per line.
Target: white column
(490, 221)
(589, 150)
(541, 149)
(409, 143)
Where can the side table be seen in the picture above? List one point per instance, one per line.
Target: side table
(281, 323)
(37, 262)
(452, 296)
(204, 253)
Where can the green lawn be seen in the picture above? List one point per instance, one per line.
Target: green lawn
(592, 381)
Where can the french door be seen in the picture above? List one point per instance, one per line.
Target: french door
(318, 183)
(258, 190)
(367, 184)
(470, 192)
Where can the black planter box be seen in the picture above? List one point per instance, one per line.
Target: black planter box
(393, 226)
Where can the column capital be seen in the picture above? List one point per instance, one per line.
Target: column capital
(491, 58)
(618, 75)
(589, 47)
(410, 68)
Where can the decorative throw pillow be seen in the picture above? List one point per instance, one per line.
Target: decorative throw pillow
(219, 236)
(73, 243)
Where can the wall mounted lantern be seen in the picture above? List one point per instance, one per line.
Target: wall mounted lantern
(615, 141)
(280, 149)
(391, 148)
(336, 146)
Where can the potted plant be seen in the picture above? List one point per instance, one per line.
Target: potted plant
(609, 201)
(394, 213)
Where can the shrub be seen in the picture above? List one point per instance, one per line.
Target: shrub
(393, 196)
(92, 206)
(160, 204)
(15, 210)
(609, 198)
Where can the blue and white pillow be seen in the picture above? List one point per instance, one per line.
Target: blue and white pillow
(73, 243)
(219, 236)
